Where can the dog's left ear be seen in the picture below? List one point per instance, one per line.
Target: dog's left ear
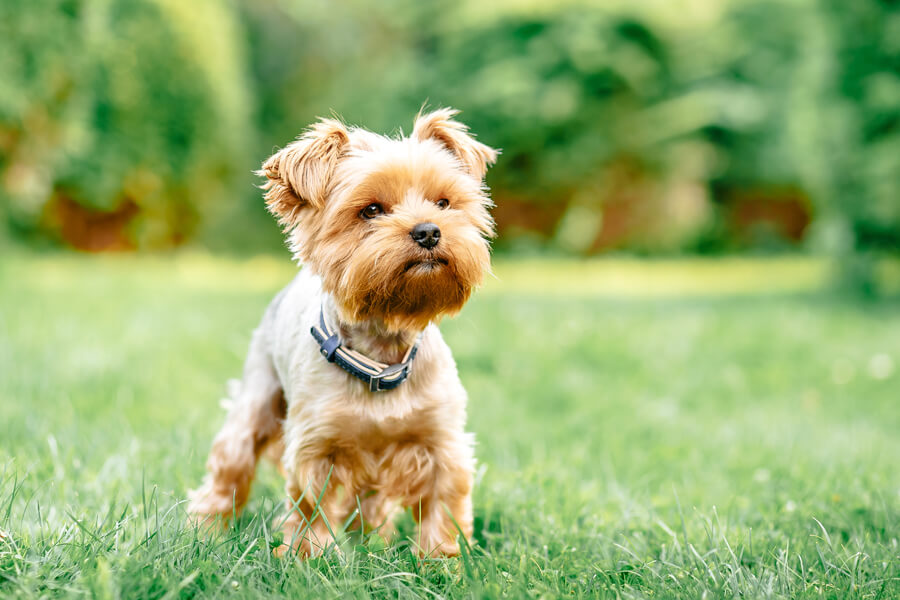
(439, 125)
(300, 174)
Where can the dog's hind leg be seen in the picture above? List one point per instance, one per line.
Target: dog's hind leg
(253, 423)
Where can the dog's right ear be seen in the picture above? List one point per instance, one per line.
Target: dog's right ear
(300, 174)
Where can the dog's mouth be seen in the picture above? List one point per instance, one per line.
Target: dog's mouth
(426, 265)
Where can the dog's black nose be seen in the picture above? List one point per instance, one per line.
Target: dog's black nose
(426, 235)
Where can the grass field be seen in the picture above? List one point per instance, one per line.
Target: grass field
(645, 430)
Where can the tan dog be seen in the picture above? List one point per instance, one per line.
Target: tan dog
(392, 235)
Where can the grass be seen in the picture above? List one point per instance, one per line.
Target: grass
(735, 438)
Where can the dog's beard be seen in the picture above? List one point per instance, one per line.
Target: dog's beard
(392, 281)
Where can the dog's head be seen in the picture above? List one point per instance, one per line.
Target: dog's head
(398, 229)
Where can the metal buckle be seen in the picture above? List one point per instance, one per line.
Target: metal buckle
(375, 380)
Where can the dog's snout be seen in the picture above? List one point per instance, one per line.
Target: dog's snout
(426, 235)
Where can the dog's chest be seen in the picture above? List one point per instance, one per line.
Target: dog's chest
(353, 432)
(370, 453)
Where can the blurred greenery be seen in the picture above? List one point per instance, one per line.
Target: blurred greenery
(656, 126)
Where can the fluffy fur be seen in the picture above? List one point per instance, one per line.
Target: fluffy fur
(336, 440)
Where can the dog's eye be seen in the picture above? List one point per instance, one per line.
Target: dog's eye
(443, 203)
(371, 211)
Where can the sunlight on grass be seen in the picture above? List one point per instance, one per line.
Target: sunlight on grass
(660, 278)
(595, 278)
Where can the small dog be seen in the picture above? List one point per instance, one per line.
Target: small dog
(347, 378)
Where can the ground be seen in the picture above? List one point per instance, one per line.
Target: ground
(674, 429)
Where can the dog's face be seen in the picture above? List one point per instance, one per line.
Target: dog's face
(398, 229)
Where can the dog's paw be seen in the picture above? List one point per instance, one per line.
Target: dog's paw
(444, 549)
(208, 507)
(304, 548)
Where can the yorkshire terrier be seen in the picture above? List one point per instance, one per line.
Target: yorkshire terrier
(347, 379)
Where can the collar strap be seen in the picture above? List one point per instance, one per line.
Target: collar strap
(378, 376)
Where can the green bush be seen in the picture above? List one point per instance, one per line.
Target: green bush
(134, 107)
(645, 126)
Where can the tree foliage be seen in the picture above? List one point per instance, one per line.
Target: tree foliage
(126, 108)
(689, 125)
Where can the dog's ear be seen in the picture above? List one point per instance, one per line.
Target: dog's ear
(300, 174)
(439, 125)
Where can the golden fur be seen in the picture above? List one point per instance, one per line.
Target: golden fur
(340, 445)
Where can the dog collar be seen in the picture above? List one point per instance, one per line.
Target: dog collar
(378, 376)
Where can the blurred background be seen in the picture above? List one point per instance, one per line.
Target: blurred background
(653, 128)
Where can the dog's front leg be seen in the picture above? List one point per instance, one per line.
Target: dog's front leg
(253, 422)
(315, 512)
(444, 510)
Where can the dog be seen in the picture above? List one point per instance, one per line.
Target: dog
(347, 379)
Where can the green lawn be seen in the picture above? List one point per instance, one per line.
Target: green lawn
(661, 429)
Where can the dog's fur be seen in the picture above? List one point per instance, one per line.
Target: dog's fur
(341, 445)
